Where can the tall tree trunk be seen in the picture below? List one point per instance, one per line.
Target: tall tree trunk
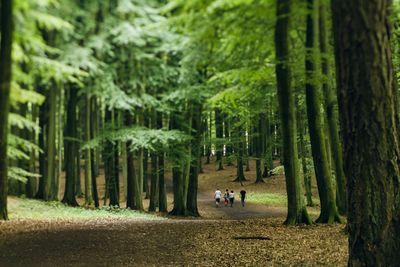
(162, 190)
(131, 193)
(219, 134)
(195, 162)
(43, 124)
(258, 144)
(368, 105)
(297, 212)
(93, 166)
(6, 22)
(88, 160)
(332, 113)
(178, 172)
(110, 166)
(228, 141)
(49, 193)
(154, 170)
(329, 212)
(70, 148)
(239, 155)
(303, 153)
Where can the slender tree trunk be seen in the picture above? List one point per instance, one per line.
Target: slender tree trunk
(110, 166)
(49, 194)
(369, 116)
(6, 22)
(88, 165)
(154, 170)
(219, 134)
(303, 153)
(332, 114)
(43, 124)
(228, 141)
(162, 193)
(329, 212)
(70, 147)
(297, 212)
(93, 172)
(195, 162)
(258, 144)
(178, 173)
(131, 179)
(239, 157)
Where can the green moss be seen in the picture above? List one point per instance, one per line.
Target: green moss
(20, 208)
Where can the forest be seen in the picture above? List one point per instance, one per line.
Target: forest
(121, 121)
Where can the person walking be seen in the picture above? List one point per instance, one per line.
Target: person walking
(217, 196)
(243, 196)
(226, 197)
(231, 198)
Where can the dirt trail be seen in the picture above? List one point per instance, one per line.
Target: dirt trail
(208, 241)
(209, 210)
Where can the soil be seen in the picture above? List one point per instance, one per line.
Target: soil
(240, 236)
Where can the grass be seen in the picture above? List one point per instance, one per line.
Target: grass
(269, 199)
(21, 208)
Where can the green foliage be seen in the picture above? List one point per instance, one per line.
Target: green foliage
(141, 138)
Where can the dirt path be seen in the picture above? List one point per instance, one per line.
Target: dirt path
(209, 210)
(213, 240)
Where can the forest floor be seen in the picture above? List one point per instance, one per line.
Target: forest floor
(240, 236)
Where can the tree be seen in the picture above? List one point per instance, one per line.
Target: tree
(6, 11)
(297, 212)
(329, 213)
(332, 115)
(369, 119)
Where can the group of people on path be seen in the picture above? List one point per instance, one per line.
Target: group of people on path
(229, 197)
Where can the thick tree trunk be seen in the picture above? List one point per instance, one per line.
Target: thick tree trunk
(5, 80)
(70, 148)
(332, 114)
(329, 212)
(297, 212)
(369, 111)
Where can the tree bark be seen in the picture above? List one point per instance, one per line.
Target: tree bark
(329, 212)
(219, 134)
(162, 190)
(6, 21)
(368, 105)
(70, 148)
(297, 212)
(195, 161)
(332, 115)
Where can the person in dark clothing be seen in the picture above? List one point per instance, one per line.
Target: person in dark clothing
(243, 196)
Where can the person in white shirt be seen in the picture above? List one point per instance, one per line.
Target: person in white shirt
(217, 196)
(231, 198)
